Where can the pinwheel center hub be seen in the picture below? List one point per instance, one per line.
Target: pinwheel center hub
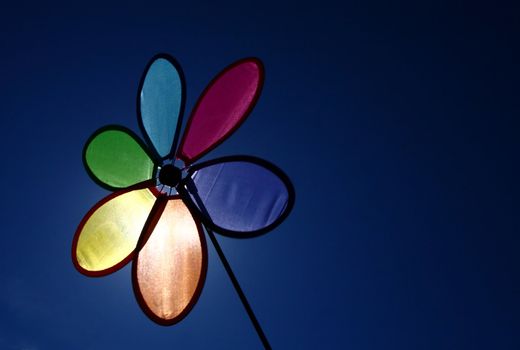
(170, 175)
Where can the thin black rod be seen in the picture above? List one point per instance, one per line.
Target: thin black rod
(238, 289)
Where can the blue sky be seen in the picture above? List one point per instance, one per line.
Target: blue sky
(398, 124)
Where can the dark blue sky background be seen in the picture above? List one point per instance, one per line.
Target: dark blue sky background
(397, 122)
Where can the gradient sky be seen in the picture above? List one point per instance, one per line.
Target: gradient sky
(397, 122)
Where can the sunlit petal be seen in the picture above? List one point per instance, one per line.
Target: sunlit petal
(108, 234)
(169, 270)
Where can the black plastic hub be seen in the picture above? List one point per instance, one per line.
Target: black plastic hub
(170, 175)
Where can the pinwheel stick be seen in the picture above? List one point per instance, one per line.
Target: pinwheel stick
(239, 290)
(192, 189)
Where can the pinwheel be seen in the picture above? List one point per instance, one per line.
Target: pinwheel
(163, 197)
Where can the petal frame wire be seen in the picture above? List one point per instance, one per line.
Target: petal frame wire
(251, 106)
(200, 285)
(156, 157)
(206, 220)
(132, 134)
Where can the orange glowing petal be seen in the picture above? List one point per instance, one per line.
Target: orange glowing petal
(169, 271)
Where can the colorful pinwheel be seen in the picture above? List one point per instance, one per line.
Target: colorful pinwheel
(162, 196)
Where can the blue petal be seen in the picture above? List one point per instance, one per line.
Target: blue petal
(241, 196)
(161, 100)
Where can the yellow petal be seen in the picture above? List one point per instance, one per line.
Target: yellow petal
(108, 234)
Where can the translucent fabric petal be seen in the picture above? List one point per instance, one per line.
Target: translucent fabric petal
(108, 234)
(161, 102)
(115, 158)
(169, 270)
(223, 106)
(240, 196)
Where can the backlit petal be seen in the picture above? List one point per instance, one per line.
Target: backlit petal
(108, 234)
(169, 270)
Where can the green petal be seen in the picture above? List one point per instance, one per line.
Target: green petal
(115, 158)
